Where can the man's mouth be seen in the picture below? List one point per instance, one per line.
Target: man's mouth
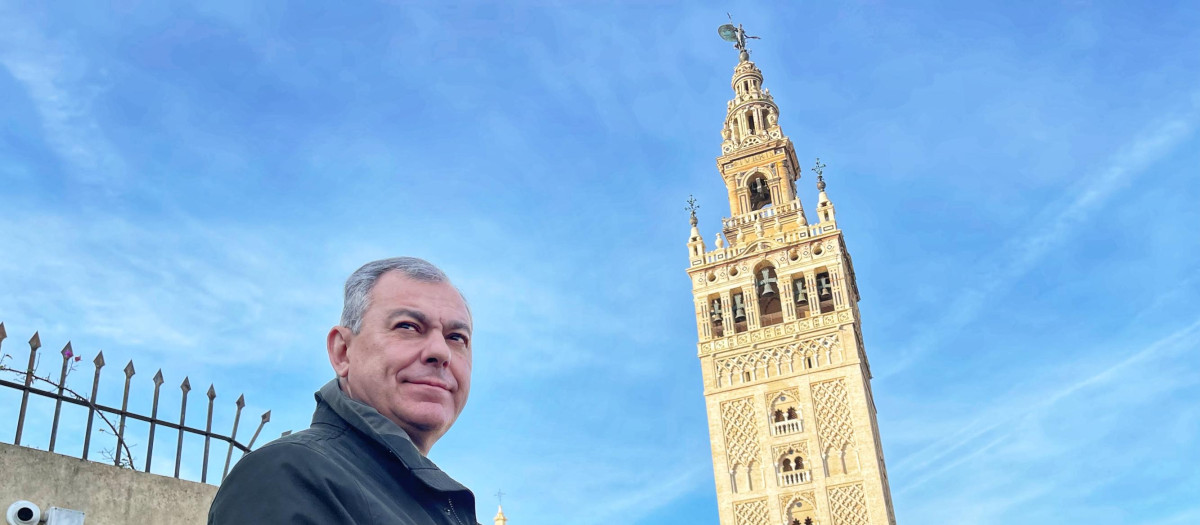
(430, 382)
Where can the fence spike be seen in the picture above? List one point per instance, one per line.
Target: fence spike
(185, 386)
(158, 381)
(35, 342)
(129, 371)
(67, 354)
(237, 416)
(212, 395)
(265, 417)
(87, 438)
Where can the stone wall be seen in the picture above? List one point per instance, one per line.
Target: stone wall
(107, 494)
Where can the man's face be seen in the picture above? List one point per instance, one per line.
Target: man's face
(411, 359)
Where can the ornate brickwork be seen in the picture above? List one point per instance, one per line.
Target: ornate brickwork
(832, 407)
(848, 506)
(776, 331)
(741, 432)
(778, 360)
(751, 512)
(798, 447)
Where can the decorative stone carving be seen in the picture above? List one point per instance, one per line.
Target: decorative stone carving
(751, 512)
(832, 407)
(741, 434)
(848, 505)
(779, 360)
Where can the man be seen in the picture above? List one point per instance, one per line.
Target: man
(402, 356)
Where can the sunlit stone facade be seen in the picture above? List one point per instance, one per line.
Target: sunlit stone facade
(786, 379)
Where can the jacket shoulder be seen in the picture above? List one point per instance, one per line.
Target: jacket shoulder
(290, 480)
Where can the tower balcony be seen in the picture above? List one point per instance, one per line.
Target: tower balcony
(795, 477)
(747, 219)
(790, 426)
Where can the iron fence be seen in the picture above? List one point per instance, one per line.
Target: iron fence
(60, 393)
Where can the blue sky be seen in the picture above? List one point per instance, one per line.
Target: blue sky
(188, 187)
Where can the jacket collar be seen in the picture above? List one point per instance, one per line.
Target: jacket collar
(380, 429)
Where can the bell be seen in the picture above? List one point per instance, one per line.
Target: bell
(765, 283)
(801, 291)
(824, 289)
(716, 310)
(739, 309)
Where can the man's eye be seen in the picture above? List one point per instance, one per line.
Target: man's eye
(405, 325)
(458, 337)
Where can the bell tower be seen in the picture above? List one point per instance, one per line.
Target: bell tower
(786, 378)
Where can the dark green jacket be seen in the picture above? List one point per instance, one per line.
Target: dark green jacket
(352, 466)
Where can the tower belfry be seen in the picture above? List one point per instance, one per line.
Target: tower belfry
(786, 379)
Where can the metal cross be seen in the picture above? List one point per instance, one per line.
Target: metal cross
(500, 496)
(818, 167)
(692, 206)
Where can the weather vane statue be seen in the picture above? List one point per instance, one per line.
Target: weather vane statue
(737, 35)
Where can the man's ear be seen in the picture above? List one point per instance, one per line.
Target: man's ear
(337, 343)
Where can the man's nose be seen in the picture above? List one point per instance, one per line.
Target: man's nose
(437, 352)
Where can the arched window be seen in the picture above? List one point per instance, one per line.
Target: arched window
(767, 286)
(825, 291)
(800, 296)
(716, 316)
(760, 193)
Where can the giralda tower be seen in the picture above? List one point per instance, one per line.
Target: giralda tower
(786, 379)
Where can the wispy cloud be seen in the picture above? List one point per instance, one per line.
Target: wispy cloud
(1023, 430)
(62, 85)
(1056, 223)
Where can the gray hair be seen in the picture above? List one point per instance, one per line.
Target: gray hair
(362, 281)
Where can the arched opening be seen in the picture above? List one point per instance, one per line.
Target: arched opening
(739, 312)
(785, 416)
(800, 296)
(791, 469)
(766, 284)
(824, 291)
(801, 512)
(716, 316)
(760, 193)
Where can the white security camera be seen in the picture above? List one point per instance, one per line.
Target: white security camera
(23, 513)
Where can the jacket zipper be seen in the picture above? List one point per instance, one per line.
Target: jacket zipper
(453, 512)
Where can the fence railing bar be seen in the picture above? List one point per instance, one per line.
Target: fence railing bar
(87, 436)
(116, 411)
(129, 371)
(158, 381)
(212, 396)
(62, 380)
(35, 342)
(186, 386)
(237, 416)
(60, 394)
